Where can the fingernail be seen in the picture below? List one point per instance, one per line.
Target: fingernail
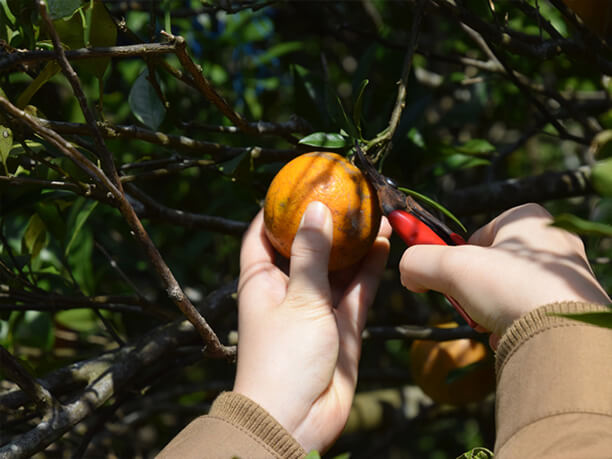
(315, 215)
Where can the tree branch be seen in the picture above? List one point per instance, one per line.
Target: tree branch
(522, 44)
(169, 282)
(155, 210)
(31, 57)
(509, 193)
(16, 372)
(410, 332)
(400, 100)
(103, 377)
(106, 158)
(219, 152)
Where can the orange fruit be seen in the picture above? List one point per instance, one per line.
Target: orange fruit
(334, 181)
(433, 364)
(596, 14)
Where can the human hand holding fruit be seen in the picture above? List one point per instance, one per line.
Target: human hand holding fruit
(300, 335)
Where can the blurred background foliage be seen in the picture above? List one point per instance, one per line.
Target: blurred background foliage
(496, 91)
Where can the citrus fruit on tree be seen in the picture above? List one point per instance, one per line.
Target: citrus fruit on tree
(334, 181)
(453, 372)
(596, 14)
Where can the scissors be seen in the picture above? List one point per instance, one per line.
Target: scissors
(413, 224)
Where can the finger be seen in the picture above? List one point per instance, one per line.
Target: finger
(352, 310)
(385, 228)
(432, 267)
(341, 279)
(257, 270)
(361, 292)
(308, 267)
(255, 245)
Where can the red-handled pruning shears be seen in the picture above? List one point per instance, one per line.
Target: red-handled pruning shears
(409, 220)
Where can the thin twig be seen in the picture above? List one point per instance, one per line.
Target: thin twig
(169, 282)
(411, 332)
(115, 52)
(400, 100)
(154, 209)
(98, 379)
(509, 193)
(106, 157)
(218, 151)
(16, 372)
(115, 266)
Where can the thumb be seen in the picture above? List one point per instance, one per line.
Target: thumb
(431, 267)
(310, 252)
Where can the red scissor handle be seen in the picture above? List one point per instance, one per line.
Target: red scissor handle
(413, 231)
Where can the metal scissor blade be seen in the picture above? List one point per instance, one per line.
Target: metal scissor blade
(389, 197)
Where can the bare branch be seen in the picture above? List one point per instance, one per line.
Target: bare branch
(153, 209)
(108, 165)
(400, 100)
(202, 84)
(522, 44)
(513, 192)
(31, 57)
(169, 282)
(15, 371)
(104, 377)
(411, 332)
(218, 151)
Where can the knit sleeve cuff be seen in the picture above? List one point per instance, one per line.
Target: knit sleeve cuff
(251, 418)
(537, 321)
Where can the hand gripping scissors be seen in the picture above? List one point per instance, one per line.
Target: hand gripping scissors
(412, 223)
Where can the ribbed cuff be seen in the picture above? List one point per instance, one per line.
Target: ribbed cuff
(537, 321)
(247, 415)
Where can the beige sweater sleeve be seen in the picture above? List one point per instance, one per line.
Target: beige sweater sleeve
(554, 386)
(235, 427)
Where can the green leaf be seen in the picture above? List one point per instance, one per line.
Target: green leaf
(601, 146)
(145, 103)
(4, 333)
(458, 373)
(81, 320)
(601, 177)
(313, 455)
(433, 204)
(359, 106)
(80, 212)
(35, 329)
(62, 8)
(80, 261)
(579, 225)
(325, 140)
(71, 31)
(35, 236)
(7, 11)
(101, 31)
(475, 147)
(277, 51)
(338, 114)
(6, 143)
(458, 161)
(307, 92)
(415, 136)
(477, 453)
(50, 69)
(601, 318)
